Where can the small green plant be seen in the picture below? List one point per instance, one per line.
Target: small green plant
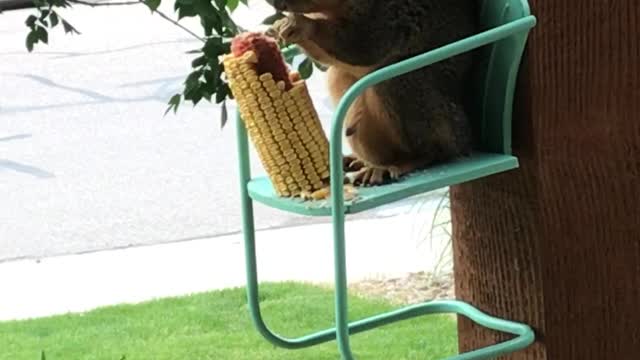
(442, 222)
(207, 78)
(428, 232)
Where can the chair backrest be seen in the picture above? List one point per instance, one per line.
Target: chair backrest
(495, 74)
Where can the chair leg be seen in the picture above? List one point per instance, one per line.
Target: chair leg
(248, 231)
(253, 295)
(341, 291)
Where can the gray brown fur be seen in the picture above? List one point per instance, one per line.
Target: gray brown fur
(408, 122)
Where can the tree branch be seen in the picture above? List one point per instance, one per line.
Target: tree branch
(174, 22)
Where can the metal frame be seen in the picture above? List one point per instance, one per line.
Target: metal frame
(524, 334)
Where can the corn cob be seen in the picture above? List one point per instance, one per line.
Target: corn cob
(279, 116)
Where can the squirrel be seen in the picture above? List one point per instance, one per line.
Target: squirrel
(406, 123)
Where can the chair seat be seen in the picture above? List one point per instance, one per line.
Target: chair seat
(476, 166)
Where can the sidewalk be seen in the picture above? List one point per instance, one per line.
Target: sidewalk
(76, 283)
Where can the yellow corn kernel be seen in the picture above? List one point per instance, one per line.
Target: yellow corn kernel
(265, 77)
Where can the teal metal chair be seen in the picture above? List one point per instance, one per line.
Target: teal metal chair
(506, 25)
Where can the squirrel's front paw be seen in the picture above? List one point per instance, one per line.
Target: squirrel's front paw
(291, 29)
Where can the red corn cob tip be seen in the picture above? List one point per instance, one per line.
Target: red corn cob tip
(270, 60)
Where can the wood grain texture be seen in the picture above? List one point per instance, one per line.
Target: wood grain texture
(556, 243)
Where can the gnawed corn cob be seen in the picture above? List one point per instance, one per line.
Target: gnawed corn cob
(279, 116)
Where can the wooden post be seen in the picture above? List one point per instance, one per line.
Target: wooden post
(556, 243)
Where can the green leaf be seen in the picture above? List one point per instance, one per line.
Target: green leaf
(54, 19)
(269, 20)
(210, 85)
(58, 3)
(42, 34)
(207, 25)
(192, 80)
(209, 16)
(32, 39)
(68, 28)
(197, 96)
(290, 60)
(185, 10)
(174, 102)
(222, 93)
(232, 4)
(206, 93)
(152, 4)
(230, 27)
(43, 356)
(31, 21)
(223, 114)
(193, 91)
(305, 68)
(212, 76)
(214, 47)
(199, 61)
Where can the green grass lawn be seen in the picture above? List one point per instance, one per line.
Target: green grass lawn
(217, 325)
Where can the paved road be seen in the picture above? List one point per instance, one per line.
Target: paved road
(87, 162)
